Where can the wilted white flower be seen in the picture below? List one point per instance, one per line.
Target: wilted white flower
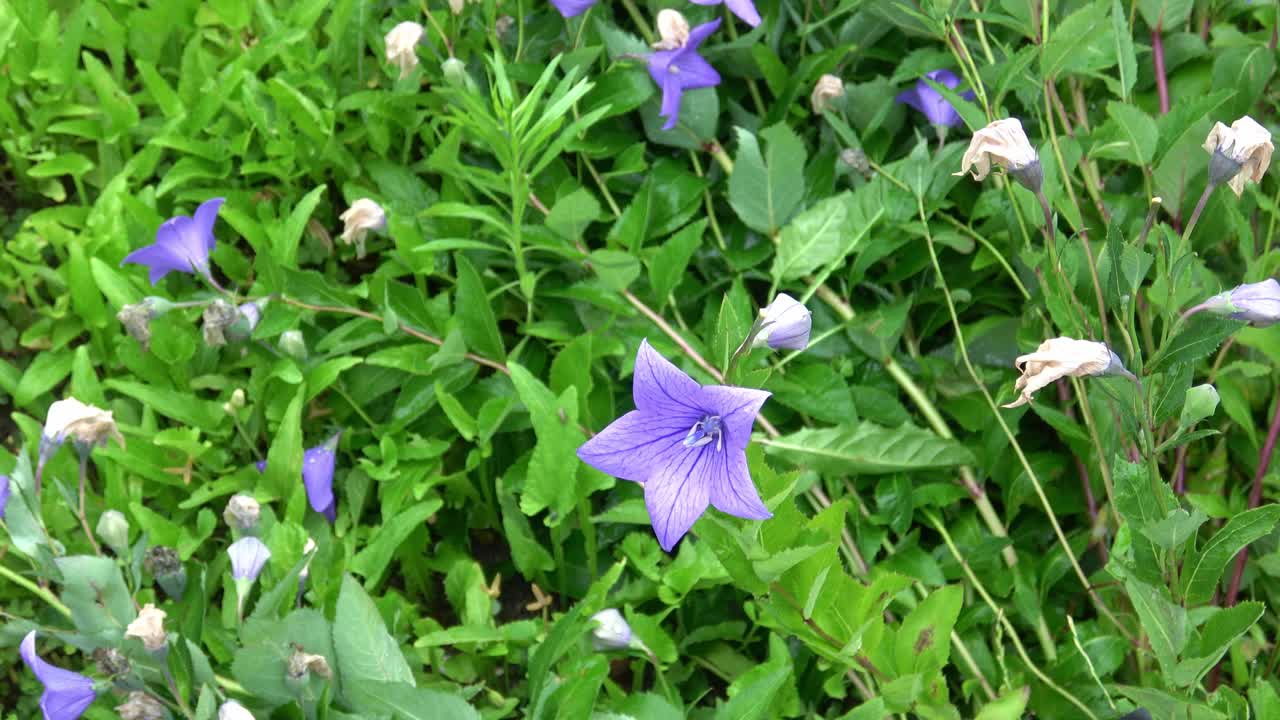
(1258, 303)
(242, 512)
(363, 215)
(673, 30)
(402, 46)
(1003, 143)
(785, 323)
(232, 710)
(1063, 357)
(611, 631)
(140, 706)
(302, 662)
(149, 628)
(1240, 153)
(828, 89)
(137, 317)
(79, 422)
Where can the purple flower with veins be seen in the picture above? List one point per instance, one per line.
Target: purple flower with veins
(681, 69)
(317, 476)
(572, 8)
(686, 443)
(744, 9)
(182, 244)
(66, 694)
(930, 102)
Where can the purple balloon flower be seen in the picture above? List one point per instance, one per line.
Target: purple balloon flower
(930, 102)
(317, 476)
(182, 244)
(682, 69)
(1258, 303)
(4, 494)
(571, 8)
(744, 9)
(686, 443)
(248, 556)
(66, 694)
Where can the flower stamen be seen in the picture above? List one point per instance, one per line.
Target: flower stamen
(704, 431)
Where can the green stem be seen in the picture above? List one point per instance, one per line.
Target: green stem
(42, 593)
(638, 18)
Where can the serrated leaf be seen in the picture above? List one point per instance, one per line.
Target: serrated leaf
(1214, 639)
(475, 314)
(1164, 622)
(816, 237)
(1067, 48)
(1137, 129)
(869, 449)
(1200, 336)
(1126, 59)
(549, 484)
(766, 189)
(1203, 568)
(365, 650)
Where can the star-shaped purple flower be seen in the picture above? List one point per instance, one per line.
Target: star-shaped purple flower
(66, 694)
(744, 9)
(682, 69)
(182, 244)
(930, 102)
(686, 443)
(572, 8)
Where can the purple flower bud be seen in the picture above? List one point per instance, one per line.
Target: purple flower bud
(66, 694)
(317, 476)
(248, 556)
(785, 323)
(182, 244)
(4, 494)
(1257, 303)
(611, 631)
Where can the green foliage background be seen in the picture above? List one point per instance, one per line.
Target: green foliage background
(931, 555)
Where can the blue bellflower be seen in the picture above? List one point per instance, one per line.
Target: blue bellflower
(66, 694)
(686, 443)
(4, 494)
(572, 8)
(930, 102)
(317, 476)
(182, 244)
(248, 556)
(784, 324)
(744, 9)
(1258, 303)
(681, 69)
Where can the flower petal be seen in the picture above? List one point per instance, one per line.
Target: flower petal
(660, 387)
(737, 408)
(700, 33)
(634, 444)
(732, 491)
(317, 476)
(206, 216)
(696, 72)
(159, 259)
(672, 91)
(676, 494)
(745, 10)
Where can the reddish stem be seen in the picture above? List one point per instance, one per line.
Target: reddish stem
(1255, 498)
(1162, 85)
(1180, 471)
(1064, 397)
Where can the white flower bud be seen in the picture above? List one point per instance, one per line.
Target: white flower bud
(293, 344)
(611, 631)
(113, 528)
(232, 710)
(826, 91)
(402, 46)
(673, 29)
(149, 628)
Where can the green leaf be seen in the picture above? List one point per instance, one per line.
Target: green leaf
(366, 651)
(1213, 640)
(71, 163)
(262, 664)
(284, 458)
(668, 264)
(752, 694)
(1074, 44)
(475, 315)
(1203, 569)
(1164, 622)
(1126, 59)
(285, 241)
(616, 269)
(375, 558)
(1165, 14)
(100, 603)
(868, 448)
(816, 238)
(1176, 528)
(405, 702)
(42, 375)
(765, 190)
(550, 482)
(571, 214)
(1200, 336)
(923, 641)
(1138, 130)
(1010, 705)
